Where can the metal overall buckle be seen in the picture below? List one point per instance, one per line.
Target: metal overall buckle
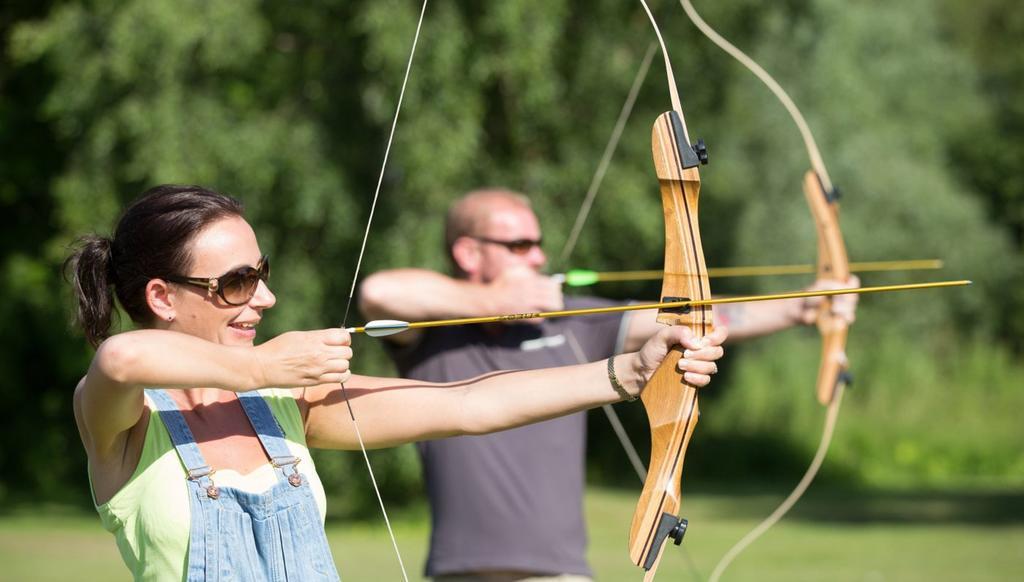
(295, 479)
(205, 471)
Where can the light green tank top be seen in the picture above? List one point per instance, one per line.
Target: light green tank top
(149, 515)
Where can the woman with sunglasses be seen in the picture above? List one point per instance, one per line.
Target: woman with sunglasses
(198, 439)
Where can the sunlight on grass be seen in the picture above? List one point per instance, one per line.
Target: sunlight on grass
(831, 536)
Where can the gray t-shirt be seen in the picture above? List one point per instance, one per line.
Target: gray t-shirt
(511, 500)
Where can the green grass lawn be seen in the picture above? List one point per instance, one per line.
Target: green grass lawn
(830, 536)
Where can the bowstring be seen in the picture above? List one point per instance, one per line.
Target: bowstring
(581, 219)
(613, 418)
(606, 157)
(793, 497)
(355, 279)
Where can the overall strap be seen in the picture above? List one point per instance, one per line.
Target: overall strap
(270, 434)
(181, 436)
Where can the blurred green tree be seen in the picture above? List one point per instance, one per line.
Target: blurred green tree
(990, 150)
(289, 109)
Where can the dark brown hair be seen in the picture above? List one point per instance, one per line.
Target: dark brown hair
(151, 240)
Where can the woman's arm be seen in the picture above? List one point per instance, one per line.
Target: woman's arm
(395, 411)
(109, 400)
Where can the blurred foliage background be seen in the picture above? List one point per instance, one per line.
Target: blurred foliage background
(916, 105)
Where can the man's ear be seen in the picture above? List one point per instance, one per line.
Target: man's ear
(161, 299)
(466, 253)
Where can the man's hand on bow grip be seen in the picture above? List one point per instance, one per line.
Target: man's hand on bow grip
(304, 358)
(844, 306)
(699, 354)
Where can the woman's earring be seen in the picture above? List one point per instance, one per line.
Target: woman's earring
(170, 318)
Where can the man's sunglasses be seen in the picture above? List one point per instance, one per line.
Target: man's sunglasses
(236, 287)
(517, 247)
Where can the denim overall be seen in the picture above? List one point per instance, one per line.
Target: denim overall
(237, 535)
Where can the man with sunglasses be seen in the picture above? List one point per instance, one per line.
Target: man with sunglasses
(508, 506)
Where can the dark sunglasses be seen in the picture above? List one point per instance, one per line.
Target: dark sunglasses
(236, 287)
(517, 247)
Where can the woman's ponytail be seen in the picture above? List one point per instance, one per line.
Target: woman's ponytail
(90, 271)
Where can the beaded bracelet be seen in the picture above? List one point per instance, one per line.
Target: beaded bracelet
(615, 382)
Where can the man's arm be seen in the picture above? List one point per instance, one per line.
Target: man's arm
(758, 318)
(420, 295)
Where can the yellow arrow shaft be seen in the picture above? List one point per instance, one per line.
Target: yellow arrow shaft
(675, 304)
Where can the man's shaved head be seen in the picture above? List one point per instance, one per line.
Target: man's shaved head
(470, 214)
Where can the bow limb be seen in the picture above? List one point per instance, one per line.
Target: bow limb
(834, 265)
(671, 403)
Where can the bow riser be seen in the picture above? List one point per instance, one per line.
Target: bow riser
(834, 265)
(670, 402)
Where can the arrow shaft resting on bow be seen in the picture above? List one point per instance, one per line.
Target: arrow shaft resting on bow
(386, 327)
(584, 277)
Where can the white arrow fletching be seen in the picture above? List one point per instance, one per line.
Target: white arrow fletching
(385, 327)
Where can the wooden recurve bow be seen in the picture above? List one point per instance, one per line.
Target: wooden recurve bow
(670, 402)
(833, 264)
